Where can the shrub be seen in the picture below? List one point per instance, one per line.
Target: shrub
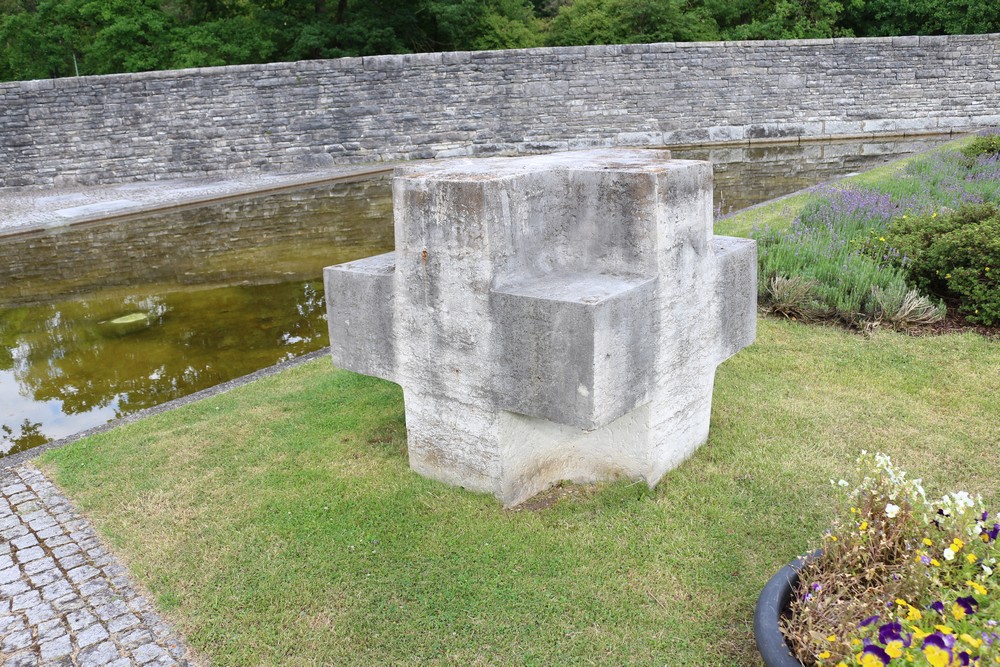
(982, 145)
(955, 255)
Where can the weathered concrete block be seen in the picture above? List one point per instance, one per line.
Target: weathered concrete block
(362, 341)
(551, 317)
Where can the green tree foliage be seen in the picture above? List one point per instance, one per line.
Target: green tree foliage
(53, 38)
(877, 18)
(786, 19)
(630, 22)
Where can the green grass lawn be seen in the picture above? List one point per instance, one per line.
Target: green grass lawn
(279, 524)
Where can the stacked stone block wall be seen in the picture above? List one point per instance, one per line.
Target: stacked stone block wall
(303, 115)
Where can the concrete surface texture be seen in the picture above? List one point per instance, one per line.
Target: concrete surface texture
(303, 116)
(549, 318)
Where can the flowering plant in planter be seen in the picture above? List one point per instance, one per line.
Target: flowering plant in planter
(901, 580)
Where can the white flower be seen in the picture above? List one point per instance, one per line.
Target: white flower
(987, 569)
(842, 482)
(891, 510)
(949, 554)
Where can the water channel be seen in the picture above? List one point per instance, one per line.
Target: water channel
(105, 319)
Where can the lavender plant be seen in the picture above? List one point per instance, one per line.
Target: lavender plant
(901, 579)
(849, 255)
(829, 256)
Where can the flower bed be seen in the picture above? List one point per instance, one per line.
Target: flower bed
(902, 579)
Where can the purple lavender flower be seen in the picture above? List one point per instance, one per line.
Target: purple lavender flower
(868, 621)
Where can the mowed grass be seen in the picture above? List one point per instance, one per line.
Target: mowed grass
(279, 524)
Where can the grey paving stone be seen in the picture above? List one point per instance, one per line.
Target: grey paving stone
(97, 656)
(69, 602)
(11, 623)
(49, 533)
(136, 637)
(148, 653)
(25, 600)
(81, 574)
(22, 660)
(123, 622)
(111, 610)
(39, 565)
(10, 574)
(55, 648)
(72, 561)
(16, 641)
(51, 629)
(64, 598)
(29, 554)
(13, 588)
(95, 633)
(65, 550)
(96, 588)
(24, 541)
(42, 611)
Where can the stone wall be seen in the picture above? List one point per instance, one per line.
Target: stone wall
(304, 115)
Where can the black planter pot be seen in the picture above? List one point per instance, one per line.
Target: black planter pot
(771, 604)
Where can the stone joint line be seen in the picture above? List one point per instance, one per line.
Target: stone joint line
(64, 599)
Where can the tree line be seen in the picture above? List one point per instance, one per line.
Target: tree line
(53, 38)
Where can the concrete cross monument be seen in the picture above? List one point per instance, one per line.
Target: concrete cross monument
(554, 317)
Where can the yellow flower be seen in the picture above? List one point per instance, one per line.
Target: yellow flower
(824, 655)
(831, 638)
(855, 642)
(936, 656)
(928, 542)
(947, 275)
(913, 614)
(958, 611)
(918, 633)
(970, 640)
(979, 588)
(894, 648)
(864, 526)
(957, 544)
(935, 562)
(882, 239)
(971, 558)
(943, 629)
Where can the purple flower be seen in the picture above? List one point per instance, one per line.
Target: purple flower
(968, 604)
(889, 632)
(938, 607)
(937, 648)
(963, 658)
(875, 652)
(986, 515)
(994, 532)
(869, 621)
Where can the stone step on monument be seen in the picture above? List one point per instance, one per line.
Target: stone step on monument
(555, 317)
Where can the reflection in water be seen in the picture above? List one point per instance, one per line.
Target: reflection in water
(100, 321)
(748, 175)
(109, 319)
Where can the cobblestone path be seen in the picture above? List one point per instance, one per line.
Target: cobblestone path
(64, 600)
